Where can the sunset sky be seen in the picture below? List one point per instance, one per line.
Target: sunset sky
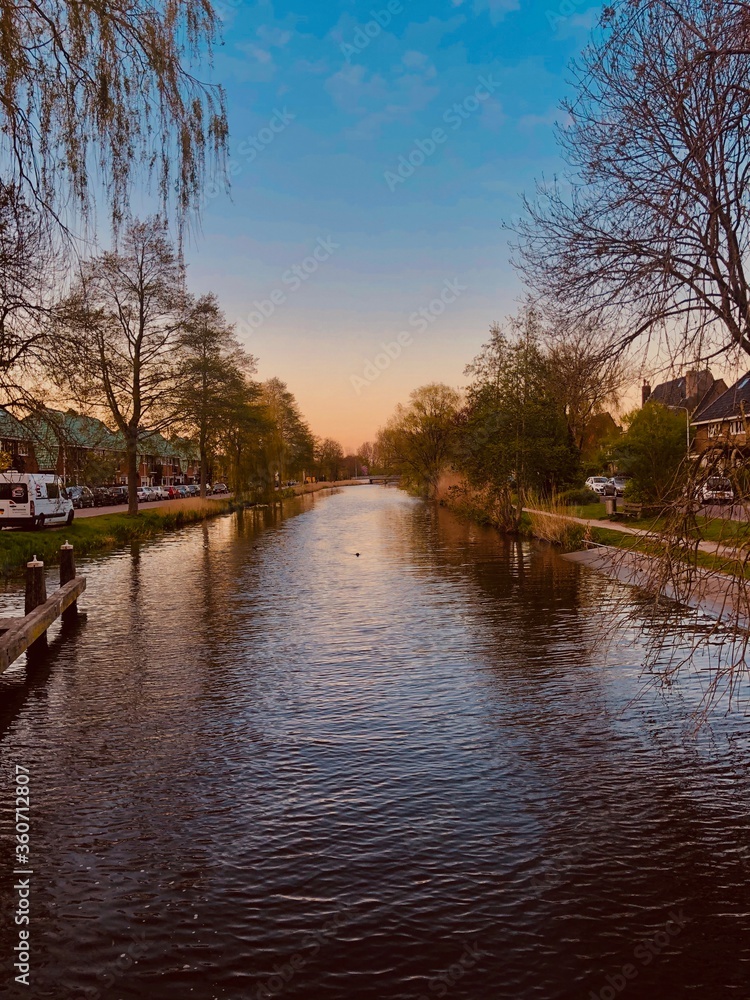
(373, 165)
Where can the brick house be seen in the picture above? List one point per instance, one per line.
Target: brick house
(721, 426)
(16, 442)
(82, 448)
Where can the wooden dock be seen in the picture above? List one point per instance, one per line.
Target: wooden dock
(17, 635)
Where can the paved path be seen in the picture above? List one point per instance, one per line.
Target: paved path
(712, 548)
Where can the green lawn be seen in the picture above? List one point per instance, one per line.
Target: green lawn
(97, 534)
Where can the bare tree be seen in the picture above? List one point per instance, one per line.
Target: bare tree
(584, 376)
(649, 231)
(29, 265)
(115, 340)
(88, 87)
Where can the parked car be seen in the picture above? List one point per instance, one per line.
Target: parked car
(118, 494)
(159, 492)
(596, 483)
(193, 490)
(103, 496)
(615, 486)
(144, 494)
(220, 488)
(81, 496)
(716, 489)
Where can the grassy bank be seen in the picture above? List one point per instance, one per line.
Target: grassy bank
(90, 535)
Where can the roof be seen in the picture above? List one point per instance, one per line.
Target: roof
(674, 392)
(11, 428)
(729, 404)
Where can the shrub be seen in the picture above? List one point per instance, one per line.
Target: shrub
(578, 498)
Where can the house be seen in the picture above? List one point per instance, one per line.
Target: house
(83, 449)
(691, 391)
(16, 442)
(163, 462)
(721, 426)
(71, 444)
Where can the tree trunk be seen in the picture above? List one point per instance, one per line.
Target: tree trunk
(204, 464)
(132, 453)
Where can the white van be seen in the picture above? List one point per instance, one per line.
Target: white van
(31, 500)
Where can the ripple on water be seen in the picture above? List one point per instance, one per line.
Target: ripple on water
(260, 749)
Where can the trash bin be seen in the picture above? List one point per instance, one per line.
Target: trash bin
(610, 505)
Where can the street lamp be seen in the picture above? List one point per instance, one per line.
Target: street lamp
(687, 425)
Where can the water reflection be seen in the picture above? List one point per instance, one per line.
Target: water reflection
(269, 764)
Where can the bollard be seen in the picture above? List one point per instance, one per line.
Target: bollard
(68, 573)
(36, 594)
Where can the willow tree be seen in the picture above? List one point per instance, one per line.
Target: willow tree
(91, 88)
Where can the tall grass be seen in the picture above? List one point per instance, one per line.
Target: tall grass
(550, 521)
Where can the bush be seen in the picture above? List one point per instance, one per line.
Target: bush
(578, 498)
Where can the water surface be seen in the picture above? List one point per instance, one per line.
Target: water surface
(266, 766)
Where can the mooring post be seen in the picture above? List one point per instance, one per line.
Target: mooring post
(68, 573)
(36, 594)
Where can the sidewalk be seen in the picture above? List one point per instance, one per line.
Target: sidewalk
(712, 548)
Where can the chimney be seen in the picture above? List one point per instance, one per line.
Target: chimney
(645, 393)
(691, 385)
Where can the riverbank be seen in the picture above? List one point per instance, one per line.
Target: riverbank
(100, 534)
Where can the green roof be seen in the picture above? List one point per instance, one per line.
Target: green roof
(12, 428)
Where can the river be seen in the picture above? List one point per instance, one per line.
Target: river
(266, 766)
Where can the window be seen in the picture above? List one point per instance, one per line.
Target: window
(714, 429)
(53, 491)
(16, 492)
(737, 427)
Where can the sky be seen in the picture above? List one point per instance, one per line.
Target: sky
(376, 152)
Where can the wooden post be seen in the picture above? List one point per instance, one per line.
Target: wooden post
(36, 594)
(68, 573)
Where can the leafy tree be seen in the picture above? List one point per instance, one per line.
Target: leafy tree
(289, 443)
(117, 334)
(329, 458)
(98, 470)
(243, 426)
(652, 451)
(418, 440)
(213, 371)
(514, 432)
(107, 89)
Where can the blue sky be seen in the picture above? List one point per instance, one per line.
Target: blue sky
(376, 150)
